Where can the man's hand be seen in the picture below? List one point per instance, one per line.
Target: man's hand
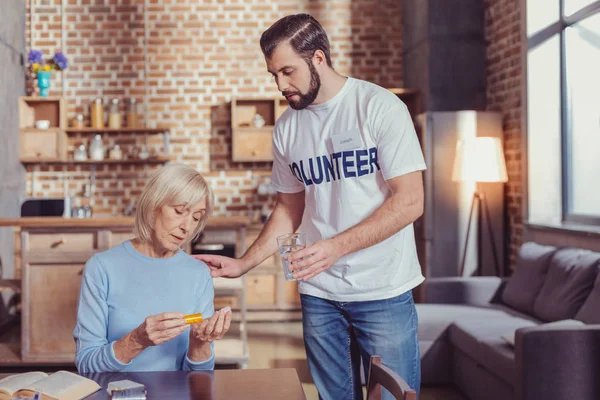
(314, 259)
(221, 266)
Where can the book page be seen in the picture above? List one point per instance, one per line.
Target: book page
(63, 385)
(11, 384)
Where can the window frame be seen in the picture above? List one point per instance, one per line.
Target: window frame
(557, 28)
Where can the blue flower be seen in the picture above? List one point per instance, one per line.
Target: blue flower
(60, 60)
(35, 57)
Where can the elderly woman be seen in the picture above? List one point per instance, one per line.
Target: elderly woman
(134, 296)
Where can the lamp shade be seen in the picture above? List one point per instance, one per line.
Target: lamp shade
(479, 159)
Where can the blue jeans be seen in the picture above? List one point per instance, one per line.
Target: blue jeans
(338, 334)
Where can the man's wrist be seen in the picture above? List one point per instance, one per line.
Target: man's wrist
(247, 264)
(341, 249)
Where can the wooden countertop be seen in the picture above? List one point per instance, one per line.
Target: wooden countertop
(110, 222)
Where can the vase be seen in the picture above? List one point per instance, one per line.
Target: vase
(44, 82)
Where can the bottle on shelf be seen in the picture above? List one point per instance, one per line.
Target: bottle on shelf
(97, 114)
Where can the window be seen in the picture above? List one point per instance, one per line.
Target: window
(563, 111)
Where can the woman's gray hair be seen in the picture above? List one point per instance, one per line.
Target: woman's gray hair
(171, 184)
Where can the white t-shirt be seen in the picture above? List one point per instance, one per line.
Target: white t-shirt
(340, 153)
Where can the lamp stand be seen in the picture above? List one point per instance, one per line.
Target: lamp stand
(480, 202)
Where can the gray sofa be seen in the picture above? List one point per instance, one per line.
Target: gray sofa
(465, 327)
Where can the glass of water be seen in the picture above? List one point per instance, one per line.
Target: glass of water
(289, 243)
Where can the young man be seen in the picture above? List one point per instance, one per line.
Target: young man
(347, 167)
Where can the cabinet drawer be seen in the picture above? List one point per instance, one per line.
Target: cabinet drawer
(226, 301)
(83, 241)
(260, 289)
(292, 296)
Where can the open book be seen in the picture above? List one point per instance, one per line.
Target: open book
(61, 385)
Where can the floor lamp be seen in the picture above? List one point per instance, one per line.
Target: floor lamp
(479, 159)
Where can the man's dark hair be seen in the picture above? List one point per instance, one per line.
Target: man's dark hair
(304, 33)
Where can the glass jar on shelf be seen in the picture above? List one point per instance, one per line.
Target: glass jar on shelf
(78, 122)
(132, 113)
(97, 148)
(114, 115)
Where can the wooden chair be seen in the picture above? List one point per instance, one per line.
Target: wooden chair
(380, 375)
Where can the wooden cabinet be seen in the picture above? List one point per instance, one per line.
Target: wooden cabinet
(39, 145)
(252, 122)
(50, 312)
(52, 268)
(42, 144)
(261, 289)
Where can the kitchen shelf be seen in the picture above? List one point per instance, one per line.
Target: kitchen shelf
(118, 130)
(268, 129)
(154, 160)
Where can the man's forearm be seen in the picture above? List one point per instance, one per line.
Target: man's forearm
(393, 215)
(282, 221)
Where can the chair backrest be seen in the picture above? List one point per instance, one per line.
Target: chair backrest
(380, 375)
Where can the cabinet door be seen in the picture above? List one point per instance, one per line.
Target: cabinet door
(252, 144)
(50, 299)
(292, 297)
(260, 290)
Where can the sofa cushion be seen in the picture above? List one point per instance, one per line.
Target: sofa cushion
(530, 272)
(590, 310)
(435, 319)
(470, 336)
(570, 279)
(509, 337)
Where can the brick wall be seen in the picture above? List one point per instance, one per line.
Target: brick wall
(200, 54)
(504, 80)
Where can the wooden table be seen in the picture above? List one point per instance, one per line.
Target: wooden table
(247, 384)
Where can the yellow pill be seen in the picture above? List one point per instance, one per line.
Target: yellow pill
(193, 318)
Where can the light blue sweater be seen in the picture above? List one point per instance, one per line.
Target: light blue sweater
(120, 288)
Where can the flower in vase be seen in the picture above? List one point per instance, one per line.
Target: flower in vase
(35, 57)
(36, 60)
(60, 61)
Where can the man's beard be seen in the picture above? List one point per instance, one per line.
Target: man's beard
(306, 99)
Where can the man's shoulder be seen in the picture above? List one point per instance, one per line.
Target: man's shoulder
(374, 97)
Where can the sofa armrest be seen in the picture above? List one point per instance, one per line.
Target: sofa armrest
(557, 362)
(478, 291)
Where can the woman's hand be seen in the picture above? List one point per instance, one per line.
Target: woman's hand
(155, 329)
(202, 334)
(213, 328)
